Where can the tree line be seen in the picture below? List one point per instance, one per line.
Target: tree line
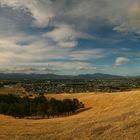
(21, 107)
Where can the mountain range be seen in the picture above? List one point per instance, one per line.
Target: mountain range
(54, 76)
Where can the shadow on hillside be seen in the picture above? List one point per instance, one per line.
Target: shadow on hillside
(64, 115)
(82, 110)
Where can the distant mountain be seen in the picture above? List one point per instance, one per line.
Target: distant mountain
(98, 76)
(17, 76)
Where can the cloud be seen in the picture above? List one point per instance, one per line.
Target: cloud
(121, 60)
(88, 54)
(123, 15)
(42, 52)
(27, 70)
(66, 36)
(72, 66)
(40, 10)
(50, 32)
(131, 20)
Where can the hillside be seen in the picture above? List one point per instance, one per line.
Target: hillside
(113, 116)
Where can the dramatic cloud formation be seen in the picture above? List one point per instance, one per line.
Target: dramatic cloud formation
(69, 36)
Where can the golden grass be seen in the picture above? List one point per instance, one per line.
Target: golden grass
(113, 116)
(18, 90)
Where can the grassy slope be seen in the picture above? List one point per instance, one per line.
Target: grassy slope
(113, 116)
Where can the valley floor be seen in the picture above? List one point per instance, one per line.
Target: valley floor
(112, 116)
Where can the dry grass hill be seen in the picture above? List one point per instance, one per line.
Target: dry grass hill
(112, 116)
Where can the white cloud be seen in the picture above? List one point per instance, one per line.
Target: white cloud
(71, 65)
(42, 50)
(121, 60)
(66, 36)
(88, 54)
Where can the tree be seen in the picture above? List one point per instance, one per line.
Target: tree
(24, 106)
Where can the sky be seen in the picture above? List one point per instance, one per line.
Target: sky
(70, 37)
